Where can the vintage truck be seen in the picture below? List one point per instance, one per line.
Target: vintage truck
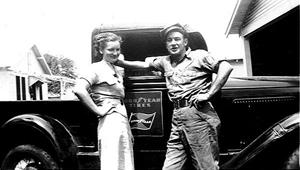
(260, 118)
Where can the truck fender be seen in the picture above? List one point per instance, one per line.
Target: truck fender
(51, 130)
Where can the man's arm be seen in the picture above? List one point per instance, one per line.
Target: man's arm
(222, 76)
(132, 64)
(224, 70)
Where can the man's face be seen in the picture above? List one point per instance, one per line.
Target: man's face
(176, 43)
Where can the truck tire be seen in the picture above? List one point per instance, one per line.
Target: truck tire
(28, 157)
(293, 161)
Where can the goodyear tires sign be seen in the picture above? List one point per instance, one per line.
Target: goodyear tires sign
(145, 113)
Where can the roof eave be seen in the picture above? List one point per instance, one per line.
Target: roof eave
(237, 17)
(41, 60)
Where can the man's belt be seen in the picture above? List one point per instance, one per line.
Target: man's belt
(181, 103)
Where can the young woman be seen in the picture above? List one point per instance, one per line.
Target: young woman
(101, 90)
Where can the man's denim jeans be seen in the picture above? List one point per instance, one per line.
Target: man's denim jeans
(193, 136)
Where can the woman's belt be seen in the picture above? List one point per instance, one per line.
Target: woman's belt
(117, 100)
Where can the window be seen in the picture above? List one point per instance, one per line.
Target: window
(21, 88)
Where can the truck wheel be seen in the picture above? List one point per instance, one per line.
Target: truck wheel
(28, 157)
(293, 161)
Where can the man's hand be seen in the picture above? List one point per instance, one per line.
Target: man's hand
(200, 98)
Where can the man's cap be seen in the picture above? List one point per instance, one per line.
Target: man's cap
(175, 27)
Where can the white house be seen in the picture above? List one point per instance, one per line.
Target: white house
(26, 80)
(270, 33)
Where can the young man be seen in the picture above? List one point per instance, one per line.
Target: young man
(190, 87)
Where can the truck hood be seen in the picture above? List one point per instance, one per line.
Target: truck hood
(262, 82)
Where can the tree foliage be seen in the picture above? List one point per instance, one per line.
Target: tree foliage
(60, 66)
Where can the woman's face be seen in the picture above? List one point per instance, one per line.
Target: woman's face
(111, 51)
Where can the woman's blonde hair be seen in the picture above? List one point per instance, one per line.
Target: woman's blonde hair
(101, 39)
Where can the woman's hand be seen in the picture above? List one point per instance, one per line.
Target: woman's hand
(104, 109)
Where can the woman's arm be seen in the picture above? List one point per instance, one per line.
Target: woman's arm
(80, 90)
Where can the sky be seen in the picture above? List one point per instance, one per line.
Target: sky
(64, 27)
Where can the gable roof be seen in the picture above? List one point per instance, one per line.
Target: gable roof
(41, 60)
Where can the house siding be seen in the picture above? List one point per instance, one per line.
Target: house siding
(8, 86)
(262, 12)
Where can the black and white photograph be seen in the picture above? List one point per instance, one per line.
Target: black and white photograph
(149, 85)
